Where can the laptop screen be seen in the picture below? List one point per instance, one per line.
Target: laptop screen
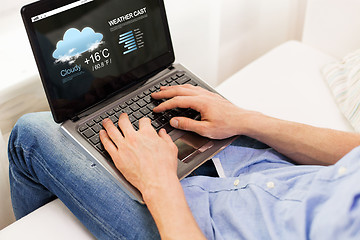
(87, 50)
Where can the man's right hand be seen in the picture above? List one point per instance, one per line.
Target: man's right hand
(220, 118)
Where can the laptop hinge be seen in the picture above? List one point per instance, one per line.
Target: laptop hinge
(171, 67)
(74, 119)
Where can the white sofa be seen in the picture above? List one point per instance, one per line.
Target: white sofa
(286, 83)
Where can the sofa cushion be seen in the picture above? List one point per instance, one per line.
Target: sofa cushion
(343, 79)
(287, 83)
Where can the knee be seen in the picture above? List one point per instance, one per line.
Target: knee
(29, 126)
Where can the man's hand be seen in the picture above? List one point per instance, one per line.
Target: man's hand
(148, 160)
(138, 154)
(220, 119)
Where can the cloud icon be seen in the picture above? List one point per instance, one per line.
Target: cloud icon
(75, 43)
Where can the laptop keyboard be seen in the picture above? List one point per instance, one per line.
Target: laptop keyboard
(139, 106)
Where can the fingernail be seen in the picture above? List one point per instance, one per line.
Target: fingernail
(174, 123)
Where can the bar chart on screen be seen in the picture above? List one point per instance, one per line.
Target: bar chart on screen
(131, 41)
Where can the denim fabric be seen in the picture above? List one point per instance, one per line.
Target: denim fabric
(45, 165)
(263, 196)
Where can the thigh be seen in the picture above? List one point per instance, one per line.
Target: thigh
(55, 163)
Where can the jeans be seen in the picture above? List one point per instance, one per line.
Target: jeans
(44, 165)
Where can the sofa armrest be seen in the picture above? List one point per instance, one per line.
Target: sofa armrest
(52, 221)
(287, 83)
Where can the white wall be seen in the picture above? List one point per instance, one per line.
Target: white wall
(213, 38)
(195, 26)
(322, 22)
(11, 6)
(251, 28)
(217, 38)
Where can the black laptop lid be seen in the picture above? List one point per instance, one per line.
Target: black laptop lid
(90, 49)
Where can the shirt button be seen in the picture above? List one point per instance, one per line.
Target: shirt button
(237, 181)
(270, 184)
(342, 170)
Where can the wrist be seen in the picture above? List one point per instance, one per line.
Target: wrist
(155, 192)
(249, 123)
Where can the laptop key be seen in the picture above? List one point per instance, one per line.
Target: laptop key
(97, 119)
(117, 109)
(88, 133)
(100, 147)
(104, 115)
(151, 106)
(141, 103)
(156, 124)
(132, 118)
(183, 80)
(110, 112)
(163, 120)
(135, 99)
(147, 92)
(123, 105)
(134, 107)
(148, 99)
(114, 119)
(83, 127)
(127, 110)
(169, 115)
(117, 115)
(145, 111)
(168, 127)
(192, 83)
(180, 74)
(97, 128)
(151, 115)
(138, 115)
(90, 123)
(136, 125)
(95, 139)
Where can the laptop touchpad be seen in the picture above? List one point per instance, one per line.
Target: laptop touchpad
(190, 145)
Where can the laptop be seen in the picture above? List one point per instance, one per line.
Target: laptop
(100, 58)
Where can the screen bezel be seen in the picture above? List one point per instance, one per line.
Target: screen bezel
(140, 73)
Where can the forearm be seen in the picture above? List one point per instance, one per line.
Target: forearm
(302, 143)
(171, 213)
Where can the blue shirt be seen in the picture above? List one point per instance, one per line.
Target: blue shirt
(265, 197)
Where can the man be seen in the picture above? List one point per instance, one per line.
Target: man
(268, 193)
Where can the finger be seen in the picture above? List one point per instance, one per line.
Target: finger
(112, 131)
(108, 144)
(193, 102)
(188, 124)
(163, 134)
(145, 123)
(172, 91)
(125, 125)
